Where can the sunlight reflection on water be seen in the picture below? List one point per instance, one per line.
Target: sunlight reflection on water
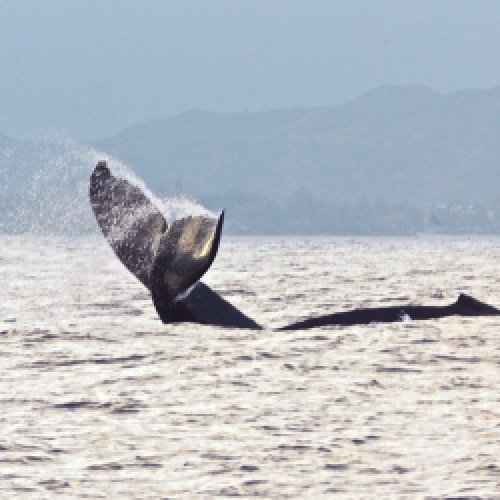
(100, 398)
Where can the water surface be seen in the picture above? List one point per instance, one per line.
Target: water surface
(101, 399)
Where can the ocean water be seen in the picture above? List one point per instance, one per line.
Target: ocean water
(100, 399)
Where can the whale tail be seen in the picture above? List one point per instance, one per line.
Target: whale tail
(168, 259)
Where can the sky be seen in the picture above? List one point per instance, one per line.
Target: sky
(87, 69)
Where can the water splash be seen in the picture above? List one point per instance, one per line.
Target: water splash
(172, 208)
(44, 189)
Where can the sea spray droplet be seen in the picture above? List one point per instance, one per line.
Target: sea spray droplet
(44, 188)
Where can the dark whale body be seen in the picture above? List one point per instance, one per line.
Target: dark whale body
(169, 261)
(464, 306)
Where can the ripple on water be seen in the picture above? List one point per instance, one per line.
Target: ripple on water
(99, 398)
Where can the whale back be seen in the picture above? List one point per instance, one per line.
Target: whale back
(469, 306)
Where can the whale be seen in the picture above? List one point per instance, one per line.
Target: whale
(167, 258)
(170, 258)
(465, 305)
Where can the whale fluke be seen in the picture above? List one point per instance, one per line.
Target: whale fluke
(166, 259)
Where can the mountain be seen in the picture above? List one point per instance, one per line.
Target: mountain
(394, 144)
(397, 160)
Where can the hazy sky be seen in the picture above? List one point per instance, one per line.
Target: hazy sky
(89, 68)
